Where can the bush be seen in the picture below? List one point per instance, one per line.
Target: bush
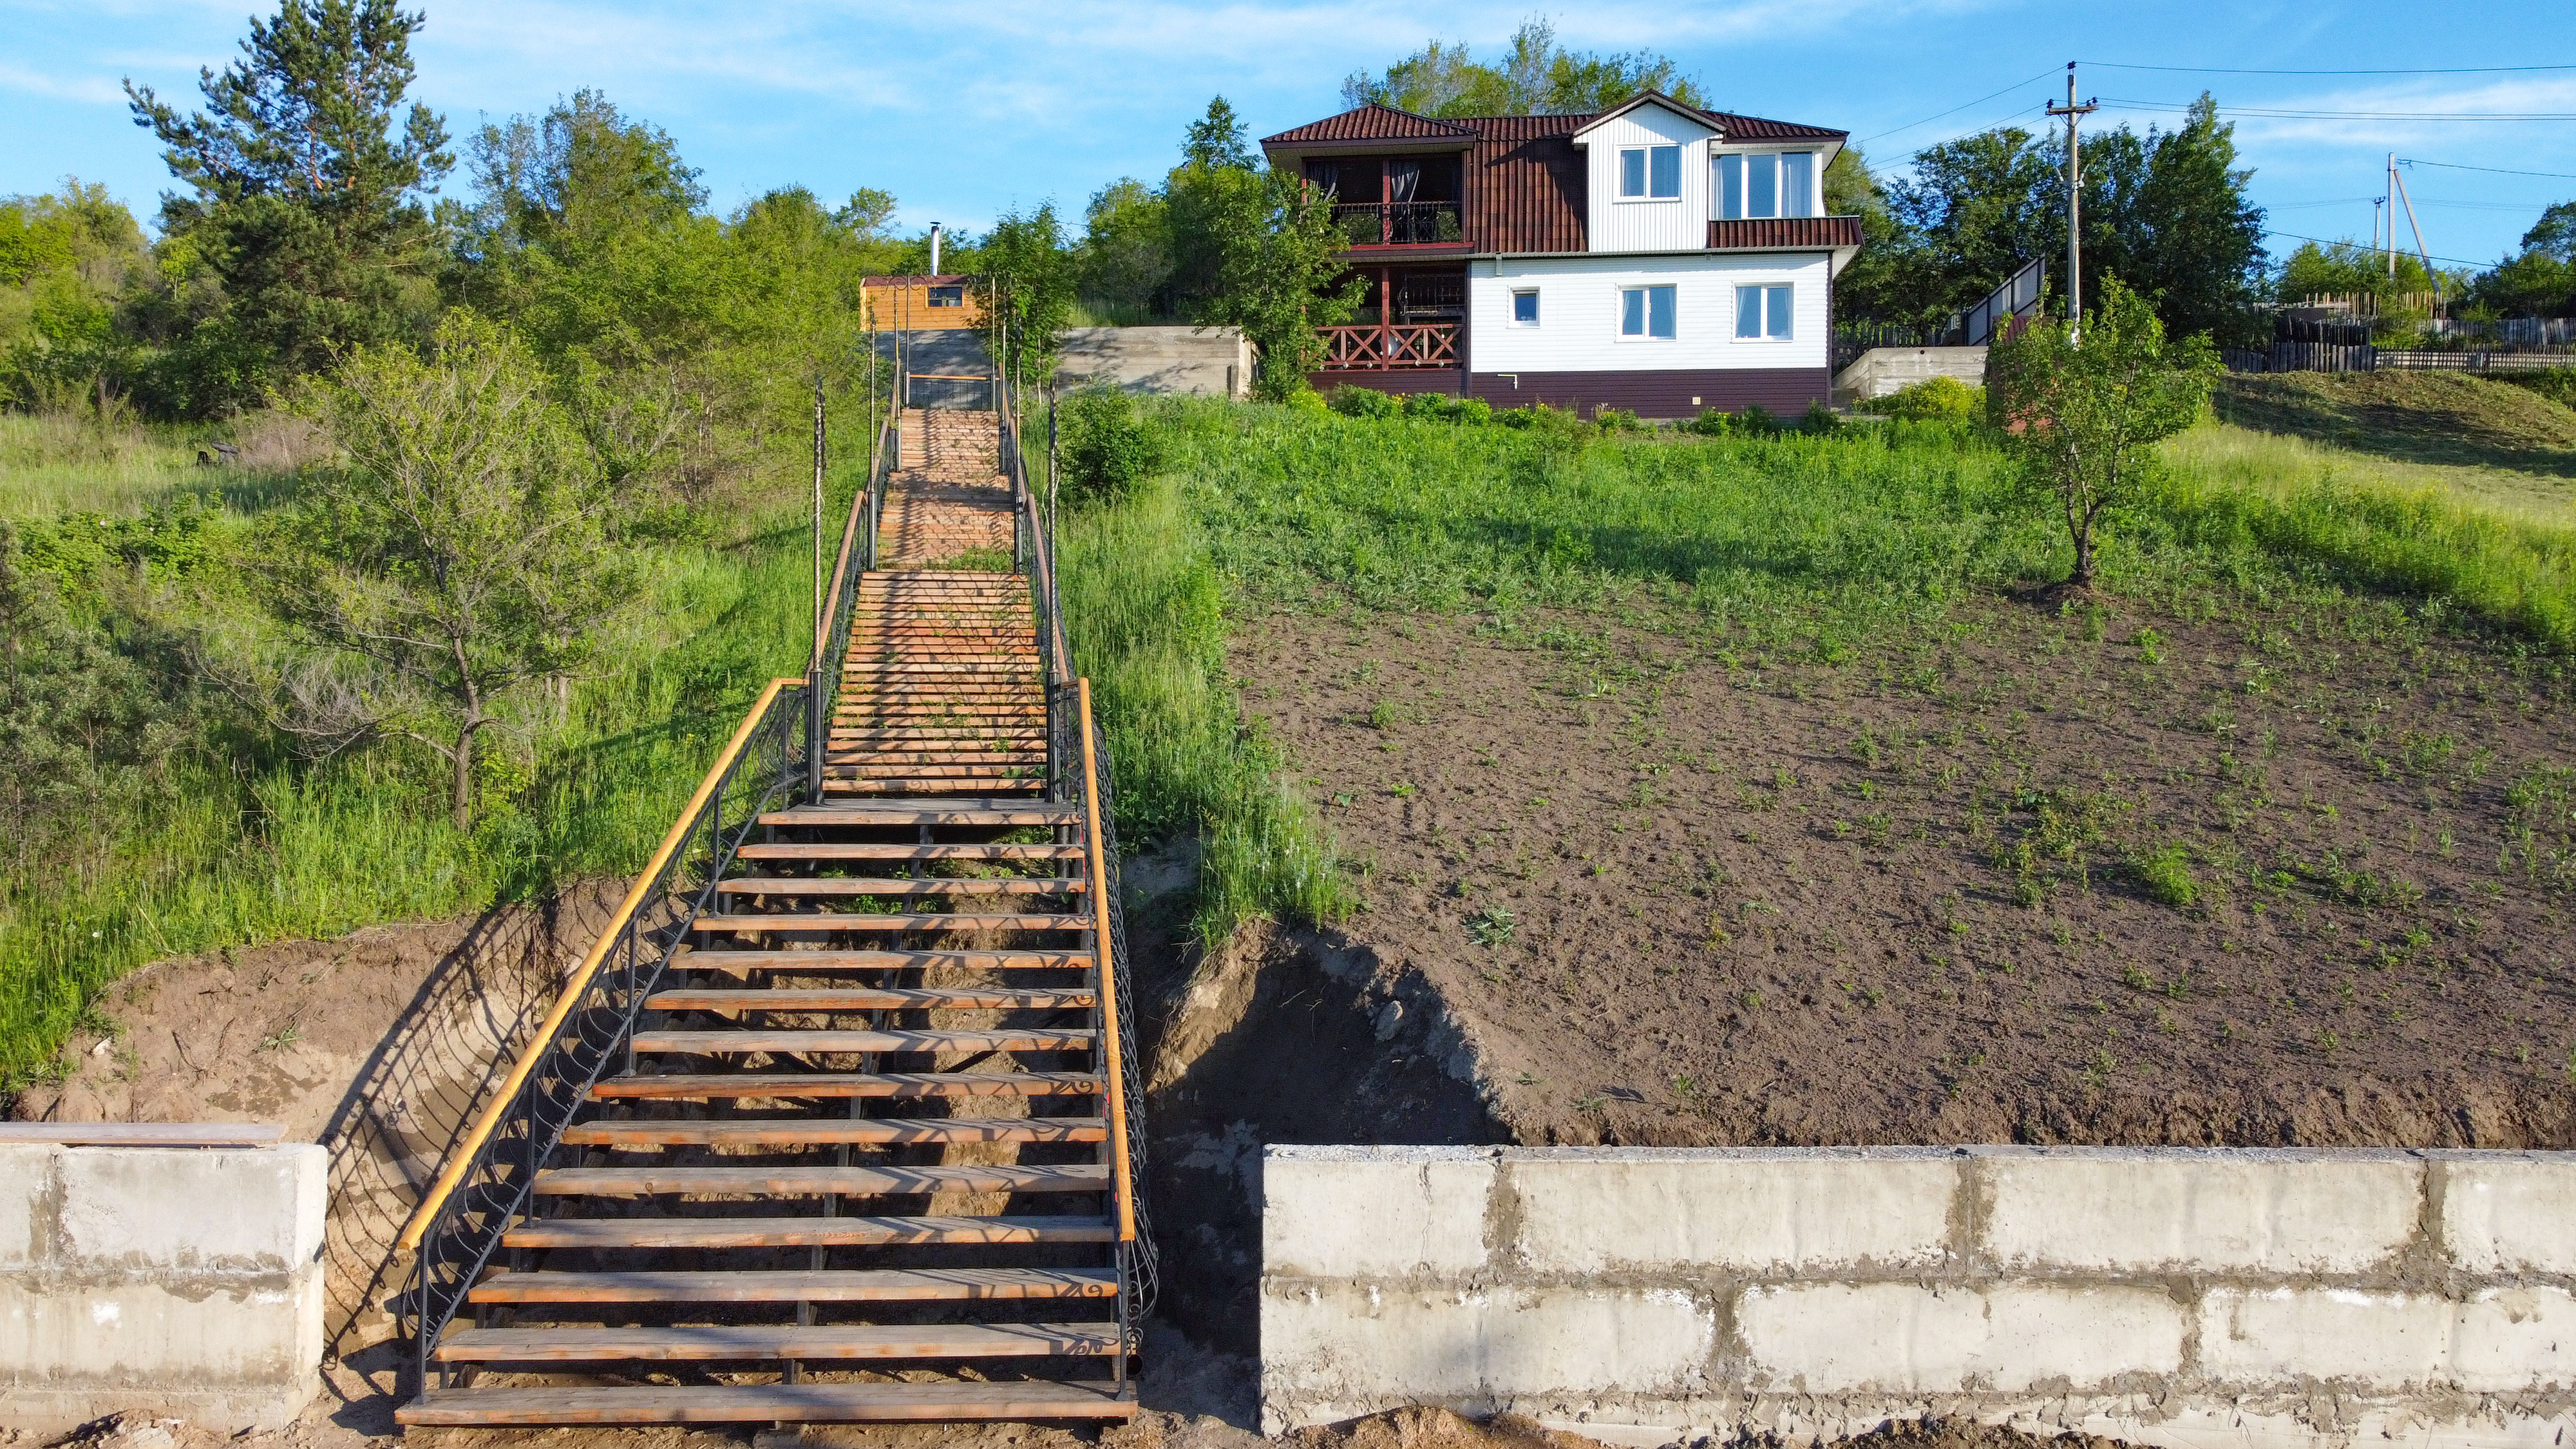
(1614, 420)
(1756, 419)
(1711, 423)
(1427, 405)
(1819, 419)
(1107, 447)
(1539, 417)
(1474, 411)
(1362, 402)
(2165, 875)
(1307, 400)
(1933, 400)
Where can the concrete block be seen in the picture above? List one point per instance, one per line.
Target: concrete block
(142, 1334)
(2516, 1340)
(1907, 1338)
(2201, 1212)
(2509, 1214)
(160, 1208)
(1374, 1212)
(1752, 1212)
(2278, 1337)
(26, 1203)
(1346, 1344)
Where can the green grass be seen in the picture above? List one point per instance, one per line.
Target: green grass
(1817, 547)
(223, 852)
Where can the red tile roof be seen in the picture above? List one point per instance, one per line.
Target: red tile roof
(1385, 123)
(1375, 123)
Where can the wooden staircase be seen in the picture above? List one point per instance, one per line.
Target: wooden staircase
(863, 1153)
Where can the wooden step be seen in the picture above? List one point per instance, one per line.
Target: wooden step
(947, 811)
(783, 1040)
(863, 850)
(805, 1403)
(814, 1131)
(815, 1181)
(800, 1232)
(875, 885)
(737, 962)
(799, 1285)
(775, 1341)
(792, 1086)
(867, 998)
(830, 922)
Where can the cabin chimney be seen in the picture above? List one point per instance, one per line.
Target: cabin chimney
(934, 249)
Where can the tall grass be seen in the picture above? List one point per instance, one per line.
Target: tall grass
(1144, 615)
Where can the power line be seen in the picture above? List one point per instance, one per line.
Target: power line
(2349, 242)
(2497, 170)
(1954, 110)
(2224, 70)
(2272, 113)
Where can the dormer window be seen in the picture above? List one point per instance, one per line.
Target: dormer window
(1650, 173)
(1765, 184)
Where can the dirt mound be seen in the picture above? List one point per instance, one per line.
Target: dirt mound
(2018, 882)
(2423, 417)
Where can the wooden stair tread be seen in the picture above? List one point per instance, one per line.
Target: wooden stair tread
(848, 1181)
(865, 998)
(805, 1403)
(762, 1341)
(873, 921)
(740, 960)
(798, 1232)
(828, 1039)
(787, 1086)
(948, 810)
(863, 850)
(812, 1131)
(934, 885)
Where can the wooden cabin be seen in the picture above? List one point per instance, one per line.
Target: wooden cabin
(922, 304)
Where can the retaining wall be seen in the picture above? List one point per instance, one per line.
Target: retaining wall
(1883, 370)
(170, 1281)
(2239, 1297)
(1212, 361)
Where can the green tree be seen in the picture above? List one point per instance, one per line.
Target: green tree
(302, 197)
(1536, 77)
(1026, 275)
(2081, 415)
(460, 553)
(1280, 278)
(1206, 199)
(1126, 250)
(1218, 139)
(2540, 281)
(81, 725)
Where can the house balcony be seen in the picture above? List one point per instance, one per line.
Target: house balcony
(1781, 232)
(1400, 223)
(1380, 347)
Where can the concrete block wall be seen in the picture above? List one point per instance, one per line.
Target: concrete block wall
(179, 1282)
(1883, 370)
(2182, 1297)
(1211, 361)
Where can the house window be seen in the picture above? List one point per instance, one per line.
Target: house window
(1780, 184)
(948, 296)
(1646, 312)
(1525, 309)
(1762, 313)
(1650, 172)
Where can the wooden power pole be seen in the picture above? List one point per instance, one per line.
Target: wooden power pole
(2074, 203)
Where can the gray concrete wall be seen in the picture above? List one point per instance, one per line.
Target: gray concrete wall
(1211, 361)
(182, 1282)
(2179, 1297)
(1883, 370)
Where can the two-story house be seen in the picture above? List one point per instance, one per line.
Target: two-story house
(1655, 257)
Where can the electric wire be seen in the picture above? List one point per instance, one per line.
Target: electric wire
(2495, 170)
(1954, 110)
(2227, 70)
(2283, 114)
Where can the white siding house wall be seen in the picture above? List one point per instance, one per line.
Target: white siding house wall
(1578, 300)
(1657, 225)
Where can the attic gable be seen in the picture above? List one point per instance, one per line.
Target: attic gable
(1690, 114)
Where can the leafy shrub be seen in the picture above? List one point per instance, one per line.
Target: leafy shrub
(2165, 874)
(1107, 447)
(1933, 400)
(1428, 405)
(1362, 402)
(1819, 418)
(1711, 423)
(1473, 411)
(1539, 417)
(1614, 420)
(1307, 400)
(1756, 419)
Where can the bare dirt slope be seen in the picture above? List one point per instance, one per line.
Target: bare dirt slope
(2027, 880)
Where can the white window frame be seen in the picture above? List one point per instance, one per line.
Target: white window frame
(1646, 313)
(1535, 313)
(1787, 292)
(1646, 172)
(1742, 164)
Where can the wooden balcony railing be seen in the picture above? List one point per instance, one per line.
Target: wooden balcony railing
(1399, 223)
(1785, 231)
(1399, 344)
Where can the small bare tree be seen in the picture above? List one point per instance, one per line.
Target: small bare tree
(2082, 415)
(459, 548)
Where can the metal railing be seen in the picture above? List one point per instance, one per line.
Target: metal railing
(590, 1031)
(858, 555)
(1399, 223)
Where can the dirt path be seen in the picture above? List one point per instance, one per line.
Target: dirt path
(1682, 897)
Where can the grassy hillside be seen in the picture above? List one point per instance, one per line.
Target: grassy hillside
(2414, 417)
(227, 842)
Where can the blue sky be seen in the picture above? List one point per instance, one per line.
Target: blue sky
(966, 110)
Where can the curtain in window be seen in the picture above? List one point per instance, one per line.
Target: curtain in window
(1666, 162)
(1660, 312)
(1327, 176)
(1748, 312)
(1798, 183)
(1763, 186)
(1632, 172)
(1632, 312)
(1777, 305)
(1403, 179)
(1730, 188)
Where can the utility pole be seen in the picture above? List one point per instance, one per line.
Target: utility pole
(2074, 204)
(2397, 186)
(2391, 198)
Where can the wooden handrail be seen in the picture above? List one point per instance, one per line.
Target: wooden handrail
(1117, 1084)
(538, 1045)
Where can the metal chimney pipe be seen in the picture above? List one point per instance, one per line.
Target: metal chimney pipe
(934, 249)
